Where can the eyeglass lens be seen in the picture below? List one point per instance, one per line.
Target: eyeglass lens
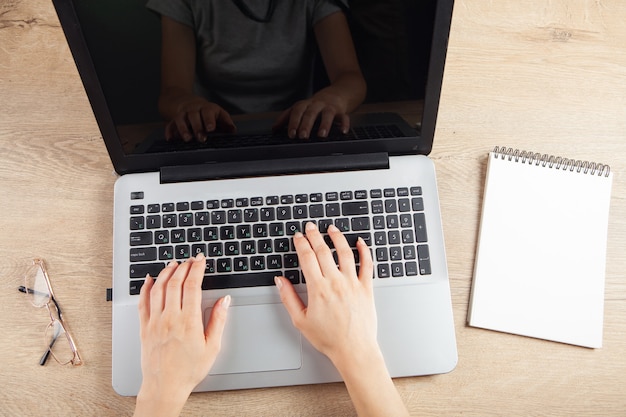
(58, 342)
(36, 286)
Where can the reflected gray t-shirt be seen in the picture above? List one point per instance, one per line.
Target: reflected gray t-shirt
(247, 66)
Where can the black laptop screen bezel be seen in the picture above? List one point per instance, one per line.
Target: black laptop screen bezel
(134, 163)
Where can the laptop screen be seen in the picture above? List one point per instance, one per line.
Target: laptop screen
(400, 47)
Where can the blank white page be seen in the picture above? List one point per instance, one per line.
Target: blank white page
(540, 261)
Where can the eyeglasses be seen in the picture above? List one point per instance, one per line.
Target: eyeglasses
(59, 342)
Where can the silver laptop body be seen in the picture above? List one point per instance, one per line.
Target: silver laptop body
(240, 206)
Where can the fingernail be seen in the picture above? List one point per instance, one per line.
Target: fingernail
(226, 302)
(332, 228)
(323, 133)
(304, 134)
(298, 235)
(200, 256)
(310, 226)
(292, 133)
(172, 263)
(278, 282)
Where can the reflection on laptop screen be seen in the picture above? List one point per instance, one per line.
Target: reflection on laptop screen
(392, 40)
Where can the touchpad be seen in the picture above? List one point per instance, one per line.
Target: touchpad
(257, 338)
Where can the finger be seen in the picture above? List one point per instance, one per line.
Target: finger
(308, 119)
(345, 255)
(214, 329)
(192, 287)
(291, 300)
(171, 132)
(225, 121)
(295, 118)
(195, 120)
(366, 270)
(157, 293)
(181, 126)
(307, 260)
(174, 286)
(322, 251)
(344, 123)
(326, 122)
(144, 301)
(208, 119)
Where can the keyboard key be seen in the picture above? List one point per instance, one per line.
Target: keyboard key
(240, 264)
(224, 265)
(170, 220)
(153, 222)
(135, 287)
(423, 257)
(251, 279)
(417, 203)
(182, 252)
(162, 237)
(182, 206)
(332, 210)
(140, 238)
(212, 204)
(141, 270)
(201, 218)
(198, 248)
(197, 205)
(383, 271)
(137, 223)
(360, 223)
(402, 192)
(300, 212)
(137, 209)
(283, 213)
(419, 224)
(143, 254)
(356, 208)
(397, 270)
(166, 253)
(345, 195)
(235, 216)
(177, 236)
(293, 276)
(332, 196)
(167, 207)
(218, 217)
(416, 190)
(316, 210)
(154, 208)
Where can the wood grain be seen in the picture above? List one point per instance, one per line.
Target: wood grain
(543, 75)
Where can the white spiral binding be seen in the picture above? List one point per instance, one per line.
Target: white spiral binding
(551, 161)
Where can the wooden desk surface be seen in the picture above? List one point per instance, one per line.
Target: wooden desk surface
(544, 75)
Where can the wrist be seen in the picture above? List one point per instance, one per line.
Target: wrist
(151, 401)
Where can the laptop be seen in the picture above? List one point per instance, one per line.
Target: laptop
(239, 200)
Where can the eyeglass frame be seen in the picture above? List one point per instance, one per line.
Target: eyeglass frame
(76, 359)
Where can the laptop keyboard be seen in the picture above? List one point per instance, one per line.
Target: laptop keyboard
(247, 240)
(219, 141)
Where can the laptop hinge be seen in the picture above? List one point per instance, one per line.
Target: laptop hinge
(269, 167)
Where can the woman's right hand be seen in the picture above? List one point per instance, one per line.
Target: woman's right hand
(195, 117)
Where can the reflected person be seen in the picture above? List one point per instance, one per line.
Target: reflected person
(221, 58)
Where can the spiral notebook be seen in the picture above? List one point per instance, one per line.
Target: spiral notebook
(540, 261)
